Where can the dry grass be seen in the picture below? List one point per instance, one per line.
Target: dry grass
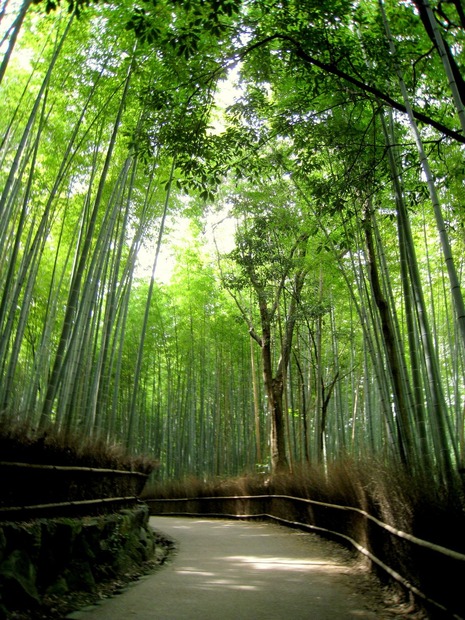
(21, 442)
(387, 492)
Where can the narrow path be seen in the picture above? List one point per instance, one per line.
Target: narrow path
(236, 570)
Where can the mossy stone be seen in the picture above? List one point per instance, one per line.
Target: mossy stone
(79, 576)
(3, 544)
(18, 579)
(56, 556)
(58, 588)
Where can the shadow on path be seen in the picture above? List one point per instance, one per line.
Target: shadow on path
(225, 570)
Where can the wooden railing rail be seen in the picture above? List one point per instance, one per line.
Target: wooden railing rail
(59, 509)
(392, 530)
(70, 468)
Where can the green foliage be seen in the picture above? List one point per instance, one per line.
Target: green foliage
(91, 132)
(190, 23)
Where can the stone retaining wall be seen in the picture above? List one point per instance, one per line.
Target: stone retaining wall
(53, 557)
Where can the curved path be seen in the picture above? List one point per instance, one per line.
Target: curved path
(237, 570)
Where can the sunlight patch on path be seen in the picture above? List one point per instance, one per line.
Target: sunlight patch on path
(288, 564)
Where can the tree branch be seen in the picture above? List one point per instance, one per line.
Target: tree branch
(334, 70)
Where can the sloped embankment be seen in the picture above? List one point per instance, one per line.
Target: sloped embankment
(71, 524)
(44, 563)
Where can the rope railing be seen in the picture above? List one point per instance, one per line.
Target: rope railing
(360, 548)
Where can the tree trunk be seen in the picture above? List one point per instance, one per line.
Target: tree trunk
(389, 340)
(256, 406)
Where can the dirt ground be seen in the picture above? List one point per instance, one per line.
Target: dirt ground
(225, 570)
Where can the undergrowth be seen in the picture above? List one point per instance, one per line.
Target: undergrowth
(385, 491)
(22, 442)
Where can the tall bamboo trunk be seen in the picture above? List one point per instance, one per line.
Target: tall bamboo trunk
(14, 31)
(409, 271)
(389, 339)
(75, 289)
(441, 422)
(140, 352)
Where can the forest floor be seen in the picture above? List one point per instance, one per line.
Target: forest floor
(223, 569)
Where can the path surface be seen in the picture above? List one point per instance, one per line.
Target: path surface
(237, 570)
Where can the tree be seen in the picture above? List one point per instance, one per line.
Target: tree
(270, 256)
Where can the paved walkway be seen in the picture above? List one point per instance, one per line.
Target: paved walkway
(236, 570)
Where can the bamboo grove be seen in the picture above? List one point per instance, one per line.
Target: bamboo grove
(335, 323)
